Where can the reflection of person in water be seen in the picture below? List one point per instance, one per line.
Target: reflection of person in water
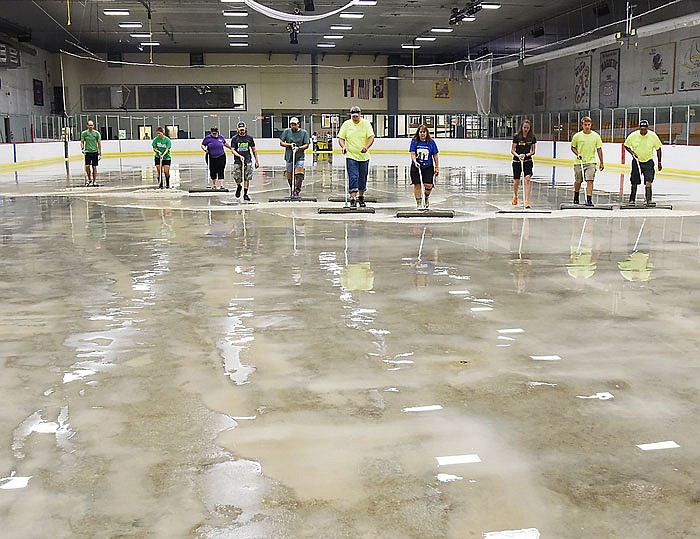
(582, 264)
(248, 245)
(218, 232)
(519, 263)
(97, 224)
(428, 257)
(637, 266)
(166, 224)
(357, 273)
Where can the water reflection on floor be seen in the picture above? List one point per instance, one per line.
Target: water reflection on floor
(184, 366)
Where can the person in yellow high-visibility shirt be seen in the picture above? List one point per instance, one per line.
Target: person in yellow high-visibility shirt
(640, 144)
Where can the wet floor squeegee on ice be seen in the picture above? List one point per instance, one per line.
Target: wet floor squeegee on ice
(424, 210)
(349, 206)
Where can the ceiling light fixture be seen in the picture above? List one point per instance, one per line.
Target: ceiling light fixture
(150, 43)
(487, 5)
(236, 26)
(423, 38)
(366, 2)
(130, 25)
(233, 1)
(228, 13)
(238, 36)
(410, 46)
(237, 44)
(351, 15)
(333, 36)
(442, 30)
(325, 45)
(143, 35)
(115, 12)
(341, 27)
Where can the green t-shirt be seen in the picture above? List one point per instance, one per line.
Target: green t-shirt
(162, 146)
(91, 139)
(643, 145)
(356, 136)
(299, 137)
(586, 145)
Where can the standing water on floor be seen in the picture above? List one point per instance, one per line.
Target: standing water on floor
(178, 366)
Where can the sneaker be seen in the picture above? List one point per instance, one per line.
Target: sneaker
(427, 204)
(632, 202)
(588, 203)
(222, 188)
(238, 190)
(527, 204)
(246, 198)
(515, 201)
(361, 202)
(353, 203)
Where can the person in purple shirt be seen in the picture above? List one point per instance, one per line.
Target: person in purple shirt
(214, 144)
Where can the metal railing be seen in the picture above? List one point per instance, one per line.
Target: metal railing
(673, 124)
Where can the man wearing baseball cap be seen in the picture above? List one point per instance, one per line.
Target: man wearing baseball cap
(641, 145)
(355, 137)
(243, 147)
(295, 140)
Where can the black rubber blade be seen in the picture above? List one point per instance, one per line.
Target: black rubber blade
(584, 207)
(341, 198)
(345, 210)
(524, 210)
(290, 199)
(653, 206)
(425, 213)
(206, 190)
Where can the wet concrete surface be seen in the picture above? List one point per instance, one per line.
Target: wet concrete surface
(187, 366)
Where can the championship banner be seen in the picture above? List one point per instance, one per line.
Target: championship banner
(582, 83)
(609, 90)
(689, 64)
(658, 64)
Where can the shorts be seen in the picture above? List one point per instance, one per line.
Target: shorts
(588, 170)
(647, 169)
(237, 169)
(428, 174)
(156, 161)
(92, 158)
(298, 164)
(526, 168)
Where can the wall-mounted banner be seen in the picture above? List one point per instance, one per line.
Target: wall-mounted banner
(657, 69)
(689, 64)
(582, 83)
(609, 91)
(539, 88)
(442, 89)
(349, 87)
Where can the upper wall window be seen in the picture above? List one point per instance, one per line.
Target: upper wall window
(163, 97)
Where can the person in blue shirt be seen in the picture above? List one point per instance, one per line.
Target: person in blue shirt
(214, 145)
(424, 164)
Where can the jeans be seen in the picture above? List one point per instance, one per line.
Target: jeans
(357, 175)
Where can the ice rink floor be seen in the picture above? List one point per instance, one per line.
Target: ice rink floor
(178, 365)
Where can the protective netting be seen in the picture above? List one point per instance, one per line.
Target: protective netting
(481, 72)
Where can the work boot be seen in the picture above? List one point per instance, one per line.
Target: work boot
(576, 198)
(238, 190)
(589, 201)
(353, 203)
(361, 202)
(246, 197)
(647, 195)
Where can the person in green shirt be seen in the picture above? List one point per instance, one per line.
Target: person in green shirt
(355, 137)
(91, 146)
(295, 140)
(641, 145)
(161, 146)
(585, 144)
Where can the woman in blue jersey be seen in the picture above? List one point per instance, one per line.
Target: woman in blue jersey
(424, 164)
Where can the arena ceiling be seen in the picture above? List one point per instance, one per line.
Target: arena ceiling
(199, 26)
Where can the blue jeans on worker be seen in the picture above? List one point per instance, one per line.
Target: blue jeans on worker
(357, 175)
